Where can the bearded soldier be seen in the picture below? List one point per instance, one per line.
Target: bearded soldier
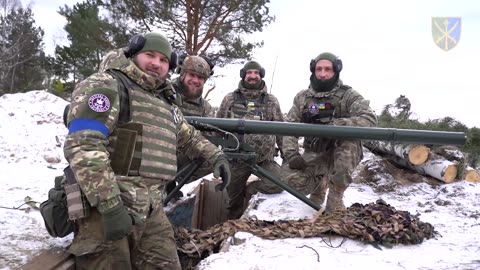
(326, 163)
(121, 146)
(252, 101)
(194, 72)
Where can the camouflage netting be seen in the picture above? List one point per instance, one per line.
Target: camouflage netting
(375, 223)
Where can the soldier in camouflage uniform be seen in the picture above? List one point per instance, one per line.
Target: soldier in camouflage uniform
(194, 72)
(252, 101)
(121, 166)
(326, 163)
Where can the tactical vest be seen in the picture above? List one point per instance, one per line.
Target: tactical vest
(144, 142)
(193, 109)
(249, 109)
(264, 145)
(322, 110)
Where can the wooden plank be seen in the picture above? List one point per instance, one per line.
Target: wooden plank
(51, 259)
(212, 206)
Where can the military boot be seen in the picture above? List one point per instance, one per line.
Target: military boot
(318, 195)
(334, 199)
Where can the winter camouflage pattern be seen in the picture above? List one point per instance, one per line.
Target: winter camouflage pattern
(334, 158)
(158, 132)
(264, 145)
(197, 65)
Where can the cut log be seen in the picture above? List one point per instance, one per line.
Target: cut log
(439, 168)
(415, 154)
(436, 166)
(471, 175)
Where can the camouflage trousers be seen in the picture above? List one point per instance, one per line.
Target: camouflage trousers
(337, 164)
(148, 246)
(239, 193)
(204, 169)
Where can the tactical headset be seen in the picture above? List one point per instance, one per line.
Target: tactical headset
(136, 43)
(184, 55)
(243, 73)
(337, 65)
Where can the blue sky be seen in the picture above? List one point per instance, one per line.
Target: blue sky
(387, 49)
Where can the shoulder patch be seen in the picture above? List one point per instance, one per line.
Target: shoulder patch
(99, 103)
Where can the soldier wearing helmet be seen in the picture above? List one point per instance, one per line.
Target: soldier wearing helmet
(326, 163)
(194, 71)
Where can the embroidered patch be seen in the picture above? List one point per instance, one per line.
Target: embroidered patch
(99, 103)
(312, 108)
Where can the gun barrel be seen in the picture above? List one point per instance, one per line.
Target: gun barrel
(408, 136)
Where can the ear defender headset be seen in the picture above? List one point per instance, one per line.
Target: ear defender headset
(337, 65)
(182, 57)
(136, 43)
(243, 73)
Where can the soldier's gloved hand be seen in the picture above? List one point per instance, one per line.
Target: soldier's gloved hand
(169, 189)
(296, 162)
(117, 222)
(342, 122)
(221, 168)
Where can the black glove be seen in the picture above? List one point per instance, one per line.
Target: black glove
(170, 187)
(296, 162)
(117, 222)
(221, 168)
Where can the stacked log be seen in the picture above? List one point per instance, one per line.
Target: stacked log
(418, 158)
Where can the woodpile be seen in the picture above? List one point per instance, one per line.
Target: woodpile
(445, 163)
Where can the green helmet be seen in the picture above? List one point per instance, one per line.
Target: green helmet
(195, 64)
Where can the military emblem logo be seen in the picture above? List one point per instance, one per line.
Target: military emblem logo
(313, 108)
(446, 31)
(99, 103)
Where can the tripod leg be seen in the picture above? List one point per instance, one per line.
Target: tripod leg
(260, 172)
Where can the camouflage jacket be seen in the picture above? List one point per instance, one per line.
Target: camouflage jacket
(231, 108)
(199, 107)
(351, 109)
(93, 128)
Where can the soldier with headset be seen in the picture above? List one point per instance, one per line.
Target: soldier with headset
(123, 134)
(252, 101)
(327, 163)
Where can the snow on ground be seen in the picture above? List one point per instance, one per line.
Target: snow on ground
(31, 156)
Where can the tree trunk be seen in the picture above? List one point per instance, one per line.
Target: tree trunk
(415, 154)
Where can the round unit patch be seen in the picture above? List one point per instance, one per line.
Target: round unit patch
(312, 108)
(99, 103)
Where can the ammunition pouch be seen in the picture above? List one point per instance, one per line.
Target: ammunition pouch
(121, 160)
(66, 203)
(55, 211)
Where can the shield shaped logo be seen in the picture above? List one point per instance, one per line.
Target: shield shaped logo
(446, 31)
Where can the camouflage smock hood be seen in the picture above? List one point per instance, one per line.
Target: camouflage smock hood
(252, 93)
(117, 60)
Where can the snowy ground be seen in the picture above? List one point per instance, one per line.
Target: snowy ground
(30, 157)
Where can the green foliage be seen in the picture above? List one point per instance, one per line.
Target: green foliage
(21, 51)
(90, 36)
(397, 115)
(195, 26)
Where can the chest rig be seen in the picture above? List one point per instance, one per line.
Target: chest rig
(249, 109)
(322, 109)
